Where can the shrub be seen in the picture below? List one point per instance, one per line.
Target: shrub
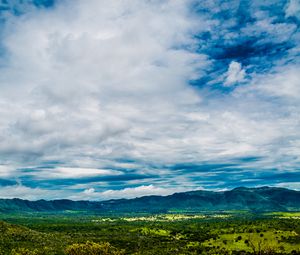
(23, 251)
(91, 248)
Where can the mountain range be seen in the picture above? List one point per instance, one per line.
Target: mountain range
(262, 199)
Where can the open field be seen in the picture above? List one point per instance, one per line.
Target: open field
(219, 233)
(285, 215)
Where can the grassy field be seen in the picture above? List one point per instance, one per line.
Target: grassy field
(285, 215)
(254, 242)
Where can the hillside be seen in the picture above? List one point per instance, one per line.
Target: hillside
(252, 199)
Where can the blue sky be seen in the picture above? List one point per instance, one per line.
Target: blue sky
(109, 99)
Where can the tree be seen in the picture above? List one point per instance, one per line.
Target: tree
(239, 238)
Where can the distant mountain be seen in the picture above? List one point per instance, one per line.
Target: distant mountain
(251, 199)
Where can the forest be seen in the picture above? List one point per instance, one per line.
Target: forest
(74, 233)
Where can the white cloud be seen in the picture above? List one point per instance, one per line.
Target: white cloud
(6, 171)
(72, 172)
(20, 191)
(94, 79)
(144, 190)
(289, 185)
(234, 74)
(88, 84)
(293, 8)
(284, 83)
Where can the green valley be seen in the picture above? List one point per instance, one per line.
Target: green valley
(211, 233)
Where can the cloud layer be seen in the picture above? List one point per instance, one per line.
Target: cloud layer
(106, 99)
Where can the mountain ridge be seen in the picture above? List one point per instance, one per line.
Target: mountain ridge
(241, 198)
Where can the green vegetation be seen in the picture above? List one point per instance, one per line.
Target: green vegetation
(91, 248)
(73, 233)
(285, 215)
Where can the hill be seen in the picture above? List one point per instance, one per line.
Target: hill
(251, 199)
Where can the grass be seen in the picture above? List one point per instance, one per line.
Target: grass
(268, 240)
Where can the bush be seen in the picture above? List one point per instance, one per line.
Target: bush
(91, 248)
(23, 251)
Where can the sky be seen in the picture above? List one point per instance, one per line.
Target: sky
(104, 99)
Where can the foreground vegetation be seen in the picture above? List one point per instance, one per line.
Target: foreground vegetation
(75, 234)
